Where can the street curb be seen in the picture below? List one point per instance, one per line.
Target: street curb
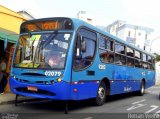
(7, 102)
(21, 101)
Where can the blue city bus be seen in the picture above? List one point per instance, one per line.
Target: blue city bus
(68, 59)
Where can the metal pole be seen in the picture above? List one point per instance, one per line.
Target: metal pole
(66, 107)
(16, 100)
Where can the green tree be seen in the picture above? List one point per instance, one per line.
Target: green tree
(157, 57)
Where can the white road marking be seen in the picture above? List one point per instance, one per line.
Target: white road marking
(88, 118)
(154, 107)
(136, 106)
(139, 101)
(158, 112)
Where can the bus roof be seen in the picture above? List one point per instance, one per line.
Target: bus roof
(78, 23)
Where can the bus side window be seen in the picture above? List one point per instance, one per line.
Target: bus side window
(120, 59)
(137, 63)
(130, 61)
(144, 65)
(86, 56)
(111, 58)
(150, 66)
(84, 49)
(106, 56)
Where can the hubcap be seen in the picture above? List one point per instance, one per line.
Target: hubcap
(142, 90)
(101, 92)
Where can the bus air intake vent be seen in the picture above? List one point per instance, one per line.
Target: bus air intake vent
(33, 74)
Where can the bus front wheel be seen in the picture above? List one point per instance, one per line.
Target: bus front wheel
(101, 94)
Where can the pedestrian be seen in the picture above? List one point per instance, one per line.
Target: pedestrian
(3, 76)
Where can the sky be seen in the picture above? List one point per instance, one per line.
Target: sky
(104, 12)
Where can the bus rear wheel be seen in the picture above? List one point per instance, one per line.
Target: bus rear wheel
(142, 89)
(101, 94)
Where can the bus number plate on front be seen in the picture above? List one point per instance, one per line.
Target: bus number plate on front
(30, 88)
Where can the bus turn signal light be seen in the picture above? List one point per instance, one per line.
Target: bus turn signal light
(75, 90)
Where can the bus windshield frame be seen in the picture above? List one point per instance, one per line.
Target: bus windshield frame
(42, 50)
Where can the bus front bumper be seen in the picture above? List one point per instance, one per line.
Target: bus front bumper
(57, 91)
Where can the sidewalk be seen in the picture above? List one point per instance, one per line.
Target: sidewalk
(7, 98)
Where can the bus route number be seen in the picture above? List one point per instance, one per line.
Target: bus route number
(102, 66)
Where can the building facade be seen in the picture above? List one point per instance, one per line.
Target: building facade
(10, 22)
(137, 35)
(157, 67)
(85, 17)
(26, 15)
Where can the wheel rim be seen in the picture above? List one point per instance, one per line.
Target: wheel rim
(142, 89)
(101, 93)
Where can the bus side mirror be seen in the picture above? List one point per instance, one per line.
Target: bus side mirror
(78, 46)
(5, 43)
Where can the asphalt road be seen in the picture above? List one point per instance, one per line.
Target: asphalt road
(122, 106)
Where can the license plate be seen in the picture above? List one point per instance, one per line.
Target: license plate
(32, 88)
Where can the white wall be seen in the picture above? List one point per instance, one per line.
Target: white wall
(157, 73)
(139, 34)
(122, 34)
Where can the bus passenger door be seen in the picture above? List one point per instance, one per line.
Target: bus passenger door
(83, 72)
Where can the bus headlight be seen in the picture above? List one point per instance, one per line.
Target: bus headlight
(59, 79)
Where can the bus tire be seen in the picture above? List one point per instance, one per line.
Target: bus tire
(142, 89)
(101, 94)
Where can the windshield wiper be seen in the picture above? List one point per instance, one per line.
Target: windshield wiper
(48, 40)
(41, 46)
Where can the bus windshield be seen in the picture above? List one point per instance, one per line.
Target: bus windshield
(45, 51)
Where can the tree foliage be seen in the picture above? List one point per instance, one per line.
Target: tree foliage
(157, 57)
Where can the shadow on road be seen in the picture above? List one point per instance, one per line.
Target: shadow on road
(59, 106)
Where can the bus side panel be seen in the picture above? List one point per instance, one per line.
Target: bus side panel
(118, 78)
(127, 79)
(150, 79)
(149, 83)
(117, 87)
(120, 87)
(84, 91)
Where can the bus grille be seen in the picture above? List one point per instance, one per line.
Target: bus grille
(37, 82)
(41, 92)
